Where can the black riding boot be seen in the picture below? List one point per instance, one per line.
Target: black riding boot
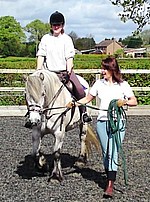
(85, 117)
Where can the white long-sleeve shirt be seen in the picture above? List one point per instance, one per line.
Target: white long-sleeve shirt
(56, 50)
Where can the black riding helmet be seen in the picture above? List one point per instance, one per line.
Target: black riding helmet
(57, 18)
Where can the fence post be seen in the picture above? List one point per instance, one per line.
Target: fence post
(98, 76)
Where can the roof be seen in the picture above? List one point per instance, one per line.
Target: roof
(106, 43)
(135, 50)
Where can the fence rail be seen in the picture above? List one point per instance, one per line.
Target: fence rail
(21, 110)
(97, 73)
(21, 89)
(78, 71)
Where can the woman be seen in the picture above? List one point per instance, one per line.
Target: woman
(56, 49)
(110, 87)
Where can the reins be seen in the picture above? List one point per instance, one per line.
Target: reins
(54, 97)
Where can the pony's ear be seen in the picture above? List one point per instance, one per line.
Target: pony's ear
(41, 76)
(24, 77)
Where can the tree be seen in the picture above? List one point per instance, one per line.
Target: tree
(37, 29)
(84, 43)
(119, 53)
(28, 49)
(11, 36)
(132, 42)
(74, 36)
(145, 35)
(136, 10)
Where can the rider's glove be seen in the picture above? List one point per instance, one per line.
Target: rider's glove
(121, 103)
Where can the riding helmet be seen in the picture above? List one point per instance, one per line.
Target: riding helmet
(57, 18)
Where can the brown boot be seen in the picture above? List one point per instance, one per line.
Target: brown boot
(109, 189)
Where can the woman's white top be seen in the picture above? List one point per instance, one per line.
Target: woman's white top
(106, 93)
(56, 50)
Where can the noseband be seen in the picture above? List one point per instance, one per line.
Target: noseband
(35, 108)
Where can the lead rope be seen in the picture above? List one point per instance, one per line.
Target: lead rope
(115, 114)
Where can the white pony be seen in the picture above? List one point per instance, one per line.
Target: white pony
(46, 99)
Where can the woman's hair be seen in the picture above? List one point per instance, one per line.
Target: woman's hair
(111, 64)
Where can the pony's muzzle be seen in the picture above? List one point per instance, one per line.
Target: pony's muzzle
(35, 124)
(35, 118)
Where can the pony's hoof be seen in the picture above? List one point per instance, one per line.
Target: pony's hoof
(81, 162)
(54, 176)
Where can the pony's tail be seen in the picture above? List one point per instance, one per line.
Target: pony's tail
(91, 140)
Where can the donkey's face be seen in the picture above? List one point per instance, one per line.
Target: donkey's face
(35, 96)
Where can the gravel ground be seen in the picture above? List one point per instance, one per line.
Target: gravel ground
(20, 182)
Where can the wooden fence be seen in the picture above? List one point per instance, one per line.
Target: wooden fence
(21, 110)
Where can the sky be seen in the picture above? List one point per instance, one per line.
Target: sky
(87, 18)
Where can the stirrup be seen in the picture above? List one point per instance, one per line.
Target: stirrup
(86, 118)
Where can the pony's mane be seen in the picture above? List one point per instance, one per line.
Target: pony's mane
(51, 84)
(34, 87)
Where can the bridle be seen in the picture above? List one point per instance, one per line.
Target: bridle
(44, 111)
(35, 108)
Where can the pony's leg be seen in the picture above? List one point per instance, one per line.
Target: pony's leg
(57, 170)
(36, 141)
(36, 145)
(82, 159)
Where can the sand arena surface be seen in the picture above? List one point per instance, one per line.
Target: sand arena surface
(20, 182)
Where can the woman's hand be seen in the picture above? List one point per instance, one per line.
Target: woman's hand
(70, 104)
(121, 103)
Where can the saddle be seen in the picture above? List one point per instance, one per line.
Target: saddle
(65, 79)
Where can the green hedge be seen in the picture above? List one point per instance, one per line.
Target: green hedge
(80, 62)
(90, 61)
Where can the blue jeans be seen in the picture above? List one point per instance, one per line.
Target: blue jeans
(110, 153)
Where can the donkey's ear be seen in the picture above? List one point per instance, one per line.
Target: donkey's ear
(24, 77)
(41, 76)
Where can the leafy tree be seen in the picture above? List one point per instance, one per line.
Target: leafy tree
(136, 10)
(74, 36)
(11, 36)
(119, 53)
(28, 49)
(132, 42)
(145, 35)
(84, 43)
(37, 29)
(120, 40)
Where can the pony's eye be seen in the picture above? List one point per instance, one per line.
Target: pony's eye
(43, 94)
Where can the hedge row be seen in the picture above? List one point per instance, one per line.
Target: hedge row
(80, 62)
